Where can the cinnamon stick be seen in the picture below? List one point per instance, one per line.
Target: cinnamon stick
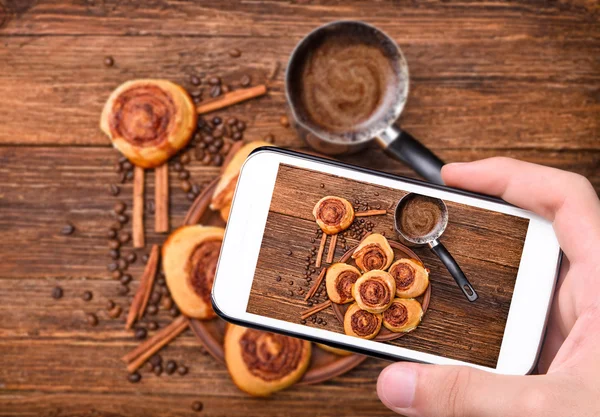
(321, 249)
(231, 98)
(200, 204)
(140, 299)
(331, 251)
(156, 343)
(315, 309)
(161, 198)
(370, 213)
(316, 285)
(138, 208)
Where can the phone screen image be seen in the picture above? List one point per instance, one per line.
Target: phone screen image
(375, 284)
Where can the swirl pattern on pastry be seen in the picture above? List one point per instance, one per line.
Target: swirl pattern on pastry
(333, 214)
(203, 266)
(404, 315)
(361, 323)
(410, 276)
(339, 280)
(261, 363)
(374, 252)
(374, 291)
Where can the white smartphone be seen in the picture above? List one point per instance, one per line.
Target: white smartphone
(269, 264)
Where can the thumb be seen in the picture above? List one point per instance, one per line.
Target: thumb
(417, 390)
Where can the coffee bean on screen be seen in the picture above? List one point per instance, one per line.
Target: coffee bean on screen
(217, 160)
(270, 138)
(155, 298)
(194, 80)
(183, 175)
(109, 304)
(57, 293)
(182, 370)
(191, 196)
(215, 91)
(122, 218)
(67, 229)
(174, 312)
(237, 136)
(185, 158)
(245, 80)
(156, 360)
(149, 367)
(123, 289)
(125, 279)
(140, 333)
(115, 312)
(112, 233)
(152, 309)
(171, 367)
(91, 319)
(114, 190)
(185, 186)
(87, 296)
(109, 61)
(116, 274)
(177, 166)
(235, 53)
(112, 266)
(214, 80)
(158, 369)
(119, 207)
(118, 167)
(131, 257)
(166, 303)
(197, 406)
(134, 377)
(152, 325)
(124, 237)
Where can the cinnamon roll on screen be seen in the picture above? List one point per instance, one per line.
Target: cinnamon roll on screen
(333, 214)
(374, 291)
(339, 280)
(374, 252)
(261, 363)
(149, 120)
(410, 276)
(404, 315)
(361, 323)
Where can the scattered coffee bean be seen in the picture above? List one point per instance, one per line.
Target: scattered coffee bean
(127, 165)
(161, 281)
(291, 282)
(156, 360)
(185, 158)
(183, 175)
(194, 80)
(152, 309)
(217, 160)
(158, 369)
(57, 293)
(215, 91)
(289, 252)
(237, 136)
(119, 207)
(91, 319)
(116, 226)
(284, 121)
(122, 218)
(291, 293)
(174, 312)
(177, 166)
(195, 188)
(245, 80)
(166, 303)
(114, 190)
(197, 406)
(134, 377)
(140, 333)
(302, 321)
(112, 266)
(324, 323)
(322, 185)
(182, 370)
(117, 274)
(67, 229)
(149, 367)
(171, 367)
(115, 312)
(191, 196)
(277, 278)
(123, 264)
(111, 233)
(214, 81)
(125, 279)
(123, 289)
(152, 325)
(87, 296)
(155, 298)
(217, 120)
(131, 257)
(109, 61)
(235, 53)
(185, 186)
(241, 125)
(124, 237)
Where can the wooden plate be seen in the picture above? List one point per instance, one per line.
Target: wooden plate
(323, 366)
(384, 334)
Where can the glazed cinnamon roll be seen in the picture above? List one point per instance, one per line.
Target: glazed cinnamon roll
(149, 120)
(189, 257)
(404, 315)
(261, 363)
(374, 252)
(361, 323)
(374, 291)
(333, 214)
(411, 277)
(339, 280)
(223, 195)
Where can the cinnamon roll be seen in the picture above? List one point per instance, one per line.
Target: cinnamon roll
(374, 291)
(223, 195)
(411, 277)
(404, 315)
(261, 363)
(333, 214)
(374, 252)
(361, 323)
(339, 280)
(190, 256)
(149, 120)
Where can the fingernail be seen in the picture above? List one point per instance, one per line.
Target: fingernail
(396, 386)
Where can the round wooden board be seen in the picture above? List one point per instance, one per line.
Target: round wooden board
(384, 334)
(323, 366)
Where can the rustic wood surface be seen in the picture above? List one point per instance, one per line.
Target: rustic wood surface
(492, 78)
(486, 245)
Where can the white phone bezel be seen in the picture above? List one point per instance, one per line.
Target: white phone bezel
(532, 294)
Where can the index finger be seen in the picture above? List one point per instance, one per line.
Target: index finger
(565, 198)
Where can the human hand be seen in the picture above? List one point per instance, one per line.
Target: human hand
(569, 384)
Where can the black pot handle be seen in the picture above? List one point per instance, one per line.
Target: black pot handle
(402, 146)
(457, 273)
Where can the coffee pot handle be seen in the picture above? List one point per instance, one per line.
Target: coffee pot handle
(452, 266)
(402, 146)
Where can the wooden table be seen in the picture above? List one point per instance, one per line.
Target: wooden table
(498, 78)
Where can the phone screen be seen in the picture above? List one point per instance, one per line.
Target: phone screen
(487, 246)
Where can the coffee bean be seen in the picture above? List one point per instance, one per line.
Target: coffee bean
(185, 158)
(152, 309)
(196, 94)
(156, 360)
(134, 377)
(114, 253)
(215, 91)
(114, 190)
(164, 290)
(177, 166)
(194, 80)
(140, 333)
(214, 81)
(123, 290)
(235, 53)
(127, 165)
(149, 367)
(171, 367)
(125, 279)
(166, 303)
(158, 369)
(237, 136)
(225, 148)
(197, 406)
(291, 282)
(122, 218)
(116, 226)
(291, 293)
(217, 120)
(182, 370)
(115, 312)
(119, 207)
(155, 298)
(217, 160)
(57, 293)
(109, 304)
(289, 252)
(284, 121)
(124, 237)
(87, 296)
(270, 138)
(67, 229)
(218, 133)
(196, 189)
(91, 319)
(112, 266)
(324, 323)
(277, 278)
(184, 175)
(207, 159)
(174, 312)
(185, 186)
(199, 152)
(191, 196)
(116, 274)
(131, 257)
(241, 125)
(109, 61)
(152, 325)
(245, 80)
